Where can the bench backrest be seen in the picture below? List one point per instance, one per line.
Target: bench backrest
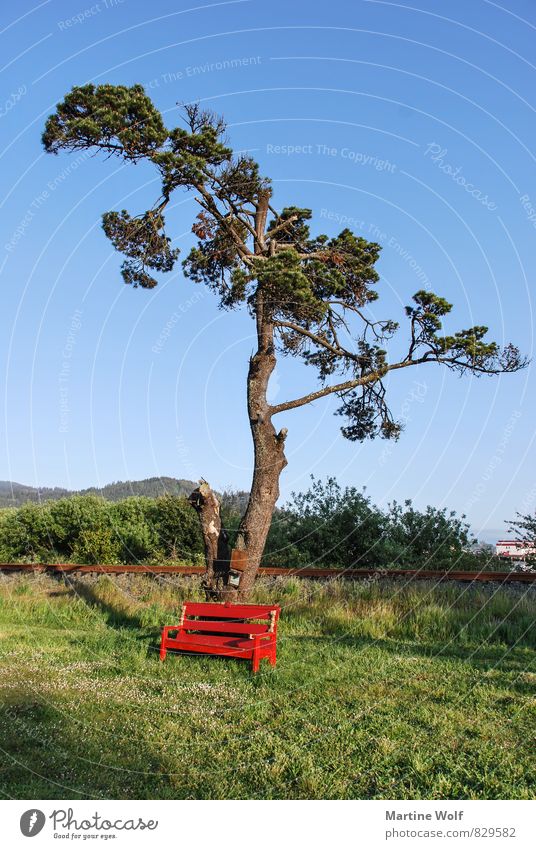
(221, 618)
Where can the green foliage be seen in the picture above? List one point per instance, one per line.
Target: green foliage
(143, 240)
(345, 269)
(333, 526)
(177, 528)
(24, 535)
(116, 119)
(437, 539)
(88, 529)
(325, 526)
(310, 291)
(293, 229)
(328, 526)
(135, 531)
(463, 350)
(428, 311)
(96, 545)
(287, 288)
(189, 154)
(302, 277)
(80, 527)
(214, 261)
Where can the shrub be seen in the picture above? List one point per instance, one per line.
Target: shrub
(333, 526)
(134, 530)
(327, 525)
(25, 534)
(89, 529)
(177, 527)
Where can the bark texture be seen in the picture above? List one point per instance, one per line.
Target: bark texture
(217, 554)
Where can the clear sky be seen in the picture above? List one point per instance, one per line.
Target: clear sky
(414, 121)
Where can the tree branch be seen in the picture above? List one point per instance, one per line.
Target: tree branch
(341, 387)
(210, 206)
(261, 215)
(234, 208)
(282, 226)
(337, 350)
(429, 357)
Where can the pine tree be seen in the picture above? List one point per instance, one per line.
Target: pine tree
(307, 294)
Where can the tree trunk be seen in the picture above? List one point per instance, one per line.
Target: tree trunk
(269, 458)
(269, 453)
(215, 538)
(269, 462)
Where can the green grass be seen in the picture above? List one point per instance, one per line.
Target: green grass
(381, 691)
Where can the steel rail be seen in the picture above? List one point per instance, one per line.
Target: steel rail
(317, 574)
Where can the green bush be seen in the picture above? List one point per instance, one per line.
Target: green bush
(340, 527)
(76, 524)
(329, 526)
(25, 535)
(134, 531)
(89, 529)
(435, 539)
(177, 527)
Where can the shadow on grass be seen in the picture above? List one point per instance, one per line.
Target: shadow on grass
(129, 628)
(115, 617)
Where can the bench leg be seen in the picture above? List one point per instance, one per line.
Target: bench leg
(163, 649)
(273, 655)
(255, 657)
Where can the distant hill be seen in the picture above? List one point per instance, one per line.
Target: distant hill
(14, 494)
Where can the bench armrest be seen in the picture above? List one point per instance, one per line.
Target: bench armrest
(167, 628)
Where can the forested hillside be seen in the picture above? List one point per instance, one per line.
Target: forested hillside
(15, 494)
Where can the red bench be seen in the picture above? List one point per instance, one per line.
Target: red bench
(225, 629)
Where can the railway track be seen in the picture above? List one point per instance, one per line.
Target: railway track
(317, 574)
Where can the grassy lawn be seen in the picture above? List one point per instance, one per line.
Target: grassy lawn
(381, 691)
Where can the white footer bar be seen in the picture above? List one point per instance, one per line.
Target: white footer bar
(270, 824)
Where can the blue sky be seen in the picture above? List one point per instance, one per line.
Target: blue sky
(415, 125)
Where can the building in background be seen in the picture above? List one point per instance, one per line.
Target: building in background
(514, 549)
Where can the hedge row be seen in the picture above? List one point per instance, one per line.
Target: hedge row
(89, 529)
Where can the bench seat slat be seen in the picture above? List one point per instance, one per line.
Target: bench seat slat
(229, 649)
(239, 643)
